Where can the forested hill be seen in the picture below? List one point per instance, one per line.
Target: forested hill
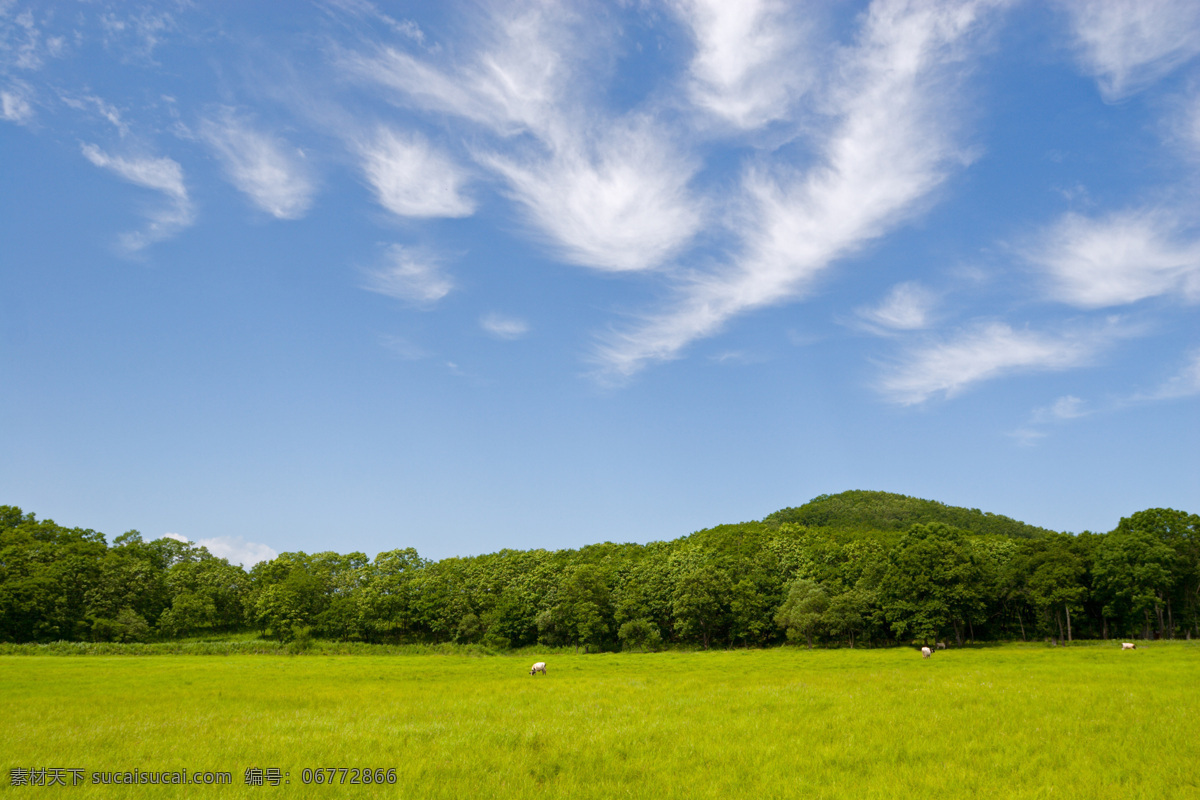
(859, 511)
(857, 567)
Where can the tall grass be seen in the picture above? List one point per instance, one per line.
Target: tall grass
(1019, 722)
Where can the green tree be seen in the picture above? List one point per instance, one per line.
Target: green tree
(803, 610)
(700, 602)
(1133, 572)
(640, 635)
(1056, 582)
(931, 583)
(846, 614)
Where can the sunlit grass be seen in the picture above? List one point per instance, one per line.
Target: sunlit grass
(1087, 722)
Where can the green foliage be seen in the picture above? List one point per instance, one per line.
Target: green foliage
(884, 511)
(803, 611)
(932, 583)
(837, 570)
(640, 635)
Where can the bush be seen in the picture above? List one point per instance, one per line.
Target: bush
(640, 635)
(129, 626)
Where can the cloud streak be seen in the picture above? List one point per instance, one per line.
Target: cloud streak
(412, 178)
(162, 175)
(985, 352)
(409, 274)
(1119, 259)
(1128, 44)
(604, 191)
(889, 147)
(15, 106)
(500, 326)
(271, 173)
(908, 307)
(750, 63)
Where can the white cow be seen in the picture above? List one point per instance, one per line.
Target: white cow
(1128, 646)
(538, 667)
(926, 652)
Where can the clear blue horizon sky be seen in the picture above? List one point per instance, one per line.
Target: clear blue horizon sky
(483, 275)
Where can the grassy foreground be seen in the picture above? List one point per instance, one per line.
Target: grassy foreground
(1001, 722)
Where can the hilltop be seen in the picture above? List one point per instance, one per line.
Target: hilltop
(884, 511)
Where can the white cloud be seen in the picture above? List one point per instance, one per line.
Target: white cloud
(23, 43)
(1064, 408)
(403, 348)
(502, 327)
(987, 351)
(136, 36)
(366, 10)
(273, 174)
(1128, 44)
(516, 81)
(413, 179)
(616, 204)
(890, 147)
(177, 537)
(409, 274)
(160, 174)
(15, 106)
(906, 308)
(1119, 259)
(1185, 383)
(605, 192)
(105, 109)
(1187, 124)
(237, 550)
(750, 62)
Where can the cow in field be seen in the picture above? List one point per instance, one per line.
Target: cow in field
(538, 667)
(1128, 646)
(926, 652)
(941, 645)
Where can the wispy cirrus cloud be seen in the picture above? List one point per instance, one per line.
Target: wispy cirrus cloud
(413, 275)
(363, 10)
(15, 105)
(987, 351)
(604, 191)
(1064, 408)
(162, 175)
(750, 64)
(135, 36)
(500, 326)
(403, 348)
(1128, 44)
(907, 307)
(619, 203)
(412, 178)
(889, 146)
(271, 173)
(1119, 259)
(1184, 383)
(24, 44)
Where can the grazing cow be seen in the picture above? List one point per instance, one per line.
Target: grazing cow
(926, 652)
(1128, 646)
(538, 667)
(941, 645)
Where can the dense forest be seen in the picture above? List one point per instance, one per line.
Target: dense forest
(847, 570)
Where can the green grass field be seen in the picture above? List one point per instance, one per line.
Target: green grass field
(999, 722)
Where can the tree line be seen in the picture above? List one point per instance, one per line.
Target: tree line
(850, 569)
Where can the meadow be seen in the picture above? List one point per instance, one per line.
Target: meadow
(1012, 721)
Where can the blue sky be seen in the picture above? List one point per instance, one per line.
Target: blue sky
(466, 276)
